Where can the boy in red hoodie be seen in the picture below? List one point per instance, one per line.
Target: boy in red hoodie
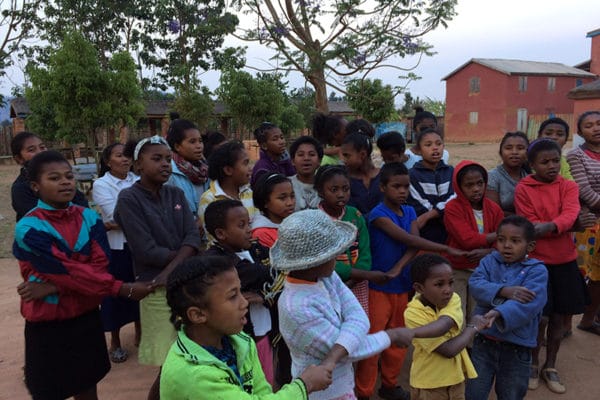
(471, 220)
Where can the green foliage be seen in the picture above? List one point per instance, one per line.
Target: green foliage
(304, 99)
(186, 38)
(250, 100)
(74, 97)
(16, 23)
(197, 106)
(290, 119)
(372, 100)
(437, 107)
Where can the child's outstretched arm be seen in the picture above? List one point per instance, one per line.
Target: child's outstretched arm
(455, 345)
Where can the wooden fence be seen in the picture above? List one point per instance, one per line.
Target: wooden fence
(536, 120)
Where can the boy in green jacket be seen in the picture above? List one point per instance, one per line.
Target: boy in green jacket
(212, 358)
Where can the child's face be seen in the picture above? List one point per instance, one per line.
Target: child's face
(514, 152)
(154, 163)
(241, 171)
(55, 184)
(438, 287)
(556, 132)
(336, 193)
(353, 159)
(397, 189)
(431, 149)
(31, 147)
(473, 187)
(390, 156)
(590, 129)
(225, 313)
(512, 244)
(427, 123)
(306, 160)
(191, 147)
(274, 143)
(281, 203)
(118, 163)
(546, 165)
(237, 234)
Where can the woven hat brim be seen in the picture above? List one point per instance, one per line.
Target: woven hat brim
(346, 235)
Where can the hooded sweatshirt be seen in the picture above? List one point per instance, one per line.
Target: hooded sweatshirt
(558, 202)
(460, 222)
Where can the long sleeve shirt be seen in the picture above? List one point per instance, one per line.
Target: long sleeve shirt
(155, 227)
(314, 316)
(68, 248)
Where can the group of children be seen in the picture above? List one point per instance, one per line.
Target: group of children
(276, 232)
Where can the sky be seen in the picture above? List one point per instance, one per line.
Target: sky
(535, 30)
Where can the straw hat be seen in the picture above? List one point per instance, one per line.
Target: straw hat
(309, 238)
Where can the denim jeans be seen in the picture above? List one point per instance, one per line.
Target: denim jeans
(508, 363)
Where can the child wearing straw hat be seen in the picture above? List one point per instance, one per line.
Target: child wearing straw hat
(320, 319)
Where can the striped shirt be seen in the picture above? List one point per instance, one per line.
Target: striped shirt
(586, 173)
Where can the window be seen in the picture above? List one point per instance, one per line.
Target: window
(474, 85)
(522, 84)
(522, 119)
(473, 117)
(551, 84)
(578, 82)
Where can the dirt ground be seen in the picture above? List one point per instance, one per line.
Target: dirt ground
(579, 358)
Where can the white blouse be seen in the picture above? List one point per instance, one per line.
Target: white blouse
(105, 193)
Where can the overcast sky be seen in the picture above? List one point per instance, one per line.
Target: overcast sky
(536, 30)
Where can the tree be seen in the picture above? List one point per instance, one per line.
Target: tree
(187, 39)
(73, 97)
(331, 40)
(15, 27)
(436, 107)
(371, 99)
(407, 109)
(252, 100)
(197, 106)
(304, 99)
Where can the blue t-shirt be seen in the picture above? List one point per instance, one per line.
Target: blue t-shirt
(365, 198)
(385, 251)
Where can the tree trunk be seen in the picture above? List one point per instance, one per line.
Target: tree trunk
(317, 79)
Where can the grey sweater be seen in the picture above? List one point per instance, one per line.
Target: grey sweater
(155, 228)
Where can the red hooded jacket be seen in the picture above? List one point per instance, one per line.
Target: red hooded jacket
(557, 202)
(460, 221)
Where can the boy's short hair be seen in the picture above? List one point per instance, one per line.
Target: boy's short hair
(393, 141)
(471, 168)
(558, 121)
(539, 145)
(520, 222)
(391, 169)
(215, 215)
(306, 140)
(422, 265)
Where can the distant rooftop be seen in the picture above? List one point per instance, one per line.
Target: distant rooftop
(588, 91)
(593, 33)
(521, 67)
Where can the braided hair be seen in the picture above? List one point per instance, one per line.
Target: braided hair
(188, 284)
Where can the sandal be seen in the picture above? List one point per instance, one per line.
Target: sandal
(595, 329)
(118, 355)
(534, 377)
(550, 376)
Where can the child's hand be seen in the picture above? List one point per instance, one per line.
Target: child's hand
(481, 321)
(316, 377)
(30, 291)
(544, 228)
(253, 298)
(380, 278)
(136, 290)
(490, 318)
(401, 337)
(477, 254)
(585, 220)
(456, 252)
(518, 293)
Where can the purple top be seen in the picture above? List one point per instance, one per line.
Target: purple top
(266, 164)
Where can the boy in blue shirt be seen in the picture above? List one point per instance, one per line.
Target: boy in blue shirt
(510, 291)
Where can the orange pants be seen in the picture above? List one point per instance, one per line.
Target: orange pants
(386, 310)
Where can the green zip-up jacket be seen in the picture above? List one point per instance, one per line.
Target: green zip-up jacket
(192, 373)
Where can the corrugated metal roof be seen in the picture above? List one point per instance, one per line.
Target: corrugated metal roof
(522, 67)
(588, 91)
